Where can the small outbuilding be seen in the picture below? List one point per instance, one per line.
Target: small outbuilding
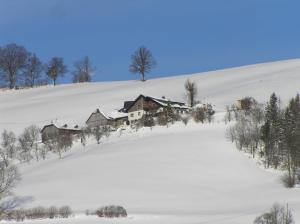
(53, 130)
(114, 120)
(98, 118)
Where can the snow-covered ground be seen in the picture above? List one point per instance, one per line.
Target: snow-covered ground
(180, 174)
(75, 103)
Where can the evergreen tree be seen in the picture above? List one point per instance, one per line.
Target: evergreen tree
(270, 131)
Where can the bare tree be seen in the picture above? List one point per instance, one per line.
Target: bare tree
(12, 61)
(52, 212)
(29, 141)
(7, 150)
(65, 142)
(33, 70)
(277, 215)
(9, 177)
(191, 92)
(65, 211)
(142, 62)
(83, 70)
(56, 68)
(98, 133)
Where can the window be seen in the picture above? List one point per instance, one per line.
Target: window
(131, 115)
(139, 113)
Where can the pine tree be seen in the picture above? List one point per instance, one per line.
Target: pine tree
(270, 131)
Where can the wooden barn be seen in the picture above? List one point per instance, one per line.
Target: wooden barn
(98, 118)
(51, 131)
(115, 120)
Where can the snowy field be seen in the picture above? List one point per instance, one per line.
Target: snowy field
(180, 174)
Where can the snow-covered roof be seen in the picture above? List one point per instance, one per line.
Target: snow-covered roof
(164, 101)
(99, 111)
(65, 126)
(173, 104)
(116, 114)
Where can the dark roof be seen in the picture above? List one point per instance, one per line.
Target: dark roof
(48, 125)
(127, 105)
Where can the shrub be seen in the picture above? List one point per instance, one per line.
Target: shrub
(277, 215)
(111, 211)
(200, 115)
(162, 120)
(287, 180)
(36, 213)
(149, 121)
(52, 212)
(65, 212)
(185, 120)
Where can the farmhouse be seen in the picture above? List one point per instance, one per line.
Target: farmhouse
(144, 105)
(52, 130)
(118, 119)
(99, 118)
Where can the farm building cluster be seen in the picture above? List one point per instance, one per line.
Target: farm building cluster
(129, 114)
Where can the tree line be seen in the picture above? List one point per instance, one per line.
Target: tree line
(270, 131)
(19, 67)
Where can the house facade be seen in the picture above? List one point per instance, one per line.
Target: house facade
(145, 105)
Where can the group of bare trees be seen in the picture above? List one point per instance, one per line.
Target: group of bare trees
(19, 67)
(271, 132)
(37, 213)
(24, 147)
(278, 214)
(9, 174)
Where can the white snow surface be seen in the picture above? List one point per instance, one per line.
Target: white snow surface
(180, 174)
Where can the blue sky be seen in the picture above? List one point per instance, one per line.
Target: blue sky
(185, 36)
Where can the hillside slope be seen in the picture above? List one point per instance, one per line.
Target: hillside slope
(75, 102)
(180, 174)
(187, 173)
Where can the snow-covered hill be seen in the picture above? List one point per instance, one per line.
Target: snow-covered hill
(21, 108)
(180, 174)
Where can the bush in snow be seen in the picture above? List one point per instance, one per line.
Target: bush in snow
(52, 212)
(17, 215)
(36, 213)
(65, 212)
(111, 211)
(185, 119)
(148, 121)
(277, 215)
(288, 180)
(199, 115)
(162, 119)
(97, 133)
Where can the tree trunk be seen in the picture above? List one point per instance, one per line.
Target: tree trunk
(143, 77)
